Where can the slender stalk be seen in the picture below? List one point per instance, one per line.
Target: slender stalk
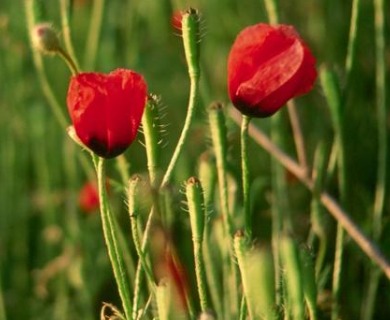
(350, 58)
(333, 96)
(64, 9)
(321, 158)
(194, 92)
(380, 192)
(191, 40)
(273, 17)
(143, 265)
(337, 267)
(245, 176)
(297, 134)
(195, 199)
(151, 145)
(133, 212)
(281, 219)
(212, 275)
(110, 237)
(151, 139)
(243, 309)
(219, 140)
(47, 90)
(68, 60)
(365, 244)
(255, 267)
(122, 165)
(200, 275)
(39, 66)
(93, 34)
(380, 68)
(293, 276)
(272, 11)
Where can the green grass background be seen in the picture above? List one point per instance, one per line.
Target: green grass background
(53, 263)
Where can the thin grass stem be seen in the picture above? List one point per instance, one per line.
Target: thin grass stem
(64, 10)
(110, 236)
(245, 176)
(353, 27)
(192, 101)
(297, 134)
(93, 34)
(196, 207)
(380, 190)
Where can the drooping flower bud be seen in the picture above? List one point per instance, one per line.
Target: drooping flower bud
(45, 38)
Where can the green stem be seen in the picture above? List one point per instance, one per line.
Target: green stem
(122, 165)
(38, 62)
(46, 87)
(293, 276)
(196, 206)
(380, 192)
(337, 267)
(143, 265)
(381, 117)
(201, 275)
(245, 176)
(139, 271)
(297, 134)
(191, 40)
(68, 60)
(219, 139)
(272, 11)
(212, 275)
(243, 309)
(194, 91)
(110, 237)
(350, 58)
(333, 96)
(151, 139)
(64, 6)
(138, 247)
(93, 34)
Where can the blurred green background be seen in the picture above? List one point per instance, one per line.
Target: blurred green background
(53, 263)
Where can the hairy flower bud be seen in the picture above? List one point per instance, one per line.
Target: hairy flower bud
(45, 38)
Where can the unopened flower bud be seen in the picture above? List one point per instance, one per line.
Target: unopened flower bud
(45, 38)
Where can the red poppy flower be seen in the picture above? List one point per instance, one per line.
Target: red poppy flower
(267, 66)
(106, 109)
(89, 197)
